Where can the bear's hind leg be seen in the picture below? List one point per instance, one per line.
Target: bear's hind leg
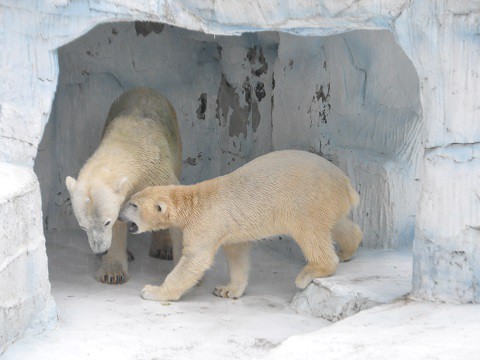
(114, 268)
(238, 265)
(322, 261)
(348, 236)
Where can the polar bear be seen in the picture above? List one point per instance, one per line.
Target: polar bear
(140, 147)
(284, 192)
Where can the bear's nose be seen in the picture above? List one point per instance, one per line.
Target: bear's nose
(102, 253)
(132, 228)
(122, 214)
(121, 217)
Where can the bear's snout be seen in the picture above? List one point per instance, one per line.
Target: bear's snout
(121, 216)
(124, 213)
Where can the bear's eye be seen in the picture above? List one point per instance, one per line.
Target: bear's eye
(159, 208)
(107, 223)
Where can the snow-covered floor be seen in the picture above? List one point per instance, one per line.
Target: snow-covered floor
(403, 330)
(102, 321)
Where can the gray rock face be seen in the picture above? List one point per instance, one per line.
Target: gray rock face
(371, 116)
(371, 278)
(241, 97)
(25, 300)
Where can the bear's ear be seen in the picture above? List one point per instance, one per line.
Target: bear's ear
(71, 183)
(120, 185)
(161, 207)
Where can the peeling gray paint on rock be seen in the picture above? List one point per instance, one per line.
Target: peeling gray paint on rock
(202, 107)
(146, 27)
(229, 109)
(355, 99)
(325, 108)
(113, 58)
(260, 91)
(218, 87)
(252, 57)
(255, 117)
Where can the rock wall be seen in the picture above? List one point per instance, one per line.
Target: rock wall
(446, 55)
(216, 85)
(440, 37)
(25, 300)
(238, 97)
(354, 99)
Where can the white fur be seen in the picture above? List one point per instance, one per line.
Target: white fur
(284, 192)
(140, 147)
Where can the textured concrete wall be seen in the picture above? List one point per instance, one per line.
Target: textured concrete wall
(25, 300)
(446, 55)
(440, 37)
(352, 97)
(212, 83)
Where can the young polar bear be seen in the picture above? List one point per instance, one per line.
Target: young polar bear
(285, 192)
(140, 147)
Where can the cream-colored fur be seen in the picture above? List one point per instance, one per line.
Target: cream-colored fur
(140, 147)
(285, 192)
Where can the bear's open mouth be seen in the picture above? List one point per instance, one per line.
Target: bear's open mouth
(132, 228)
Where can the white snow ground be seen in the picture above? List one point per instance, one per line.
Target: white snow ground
(102, 321)
(404, 330)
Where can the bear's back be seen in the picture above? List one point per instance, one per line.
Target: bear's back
(288, 165)
(142, 102)
(146, 108)
(288, 184)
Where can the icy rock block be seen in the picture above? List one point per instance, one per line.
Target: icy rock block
(25, 300)
(447, 249)
(371, 278)
(388, 197)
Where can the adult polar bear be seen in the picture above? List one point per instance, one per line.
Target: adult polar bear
(140, 147)
(284, 192)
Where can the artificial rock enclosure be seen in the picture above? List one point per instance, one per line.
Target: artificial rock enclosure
(352, 98)
(385, 90)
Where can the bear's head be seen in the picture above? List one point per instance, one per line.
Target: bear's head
(149, 210)
(96, 206)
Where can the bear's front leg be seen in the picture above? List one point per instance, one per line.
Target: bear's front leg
(167, 245)
(161, 245)
(238, 265)
(189, 270)
(114, 268)
(156, 293)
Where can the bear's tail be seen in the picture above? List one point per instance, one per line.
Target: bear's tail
(348, 236)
